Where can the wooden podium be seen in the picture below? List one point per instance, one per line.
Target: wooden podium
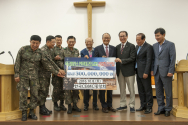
(9, 96)
(181, 110)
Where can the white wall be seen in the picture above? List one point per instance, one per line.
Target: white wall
(19, 19)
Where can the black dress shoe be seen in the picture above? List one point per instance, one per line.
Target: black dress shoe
(167, 113)
(147, 111)
(141, 109)
(95, 107)
(85, 108)
(105, 110)
(111, 109)
(159, 112)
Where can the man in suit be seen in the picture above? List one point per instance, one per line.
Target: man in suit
(88, 52)
(143, 69)
(163, 69)
(105, 50)
(125, 69)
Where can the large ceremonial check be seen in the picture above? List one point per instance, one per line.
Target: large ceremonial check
(94, 73)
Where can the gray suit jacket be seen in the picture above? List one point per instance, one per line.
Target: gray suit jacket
(164, 61)
(144, 59)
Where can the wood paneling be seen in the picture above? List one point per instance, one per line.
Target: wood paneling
(15, 95)
(9, 96)
(181, 109)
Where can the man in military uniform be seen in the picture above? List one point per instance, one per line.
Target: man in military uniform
(71, 96)
(44, 76)
(57, 82)
(28, 61)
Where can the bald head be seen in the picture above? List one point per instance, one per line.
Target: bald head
(89, 39)
(89, 43)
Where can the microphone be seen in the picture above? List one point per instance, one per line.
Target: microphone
(11, 56)
(2, 52)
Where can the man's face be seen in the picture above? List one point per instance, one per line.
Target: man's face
(34, 44)
(159, 37)
(89, 42)
(123, 37)
(71, 43)
(106, 39)
(51, 43)
(58, 41)
(139, 40)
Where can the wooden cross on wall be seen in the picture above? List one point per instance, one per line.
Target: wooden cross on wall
(89, 4)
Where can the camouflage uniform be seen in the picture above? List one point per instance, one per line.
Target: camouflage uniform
(71, 95)
(44, 76)
(57, 82)
(26, 68)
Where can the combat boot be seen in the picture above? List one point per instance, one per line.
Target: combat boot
(62, 106)
(43, 110)
(24, 115)
(69, 109)
(50, 111)
(56, 108)
(32, 114)
(75, 108)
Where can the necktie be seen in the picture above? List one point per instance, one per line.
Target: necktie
(122, 48)
(107, 51)
(90, 54)
(138, 49)
(137, 54)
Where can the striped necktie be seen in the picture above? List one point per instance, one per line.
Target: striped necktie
(107, 54)
(122, 48)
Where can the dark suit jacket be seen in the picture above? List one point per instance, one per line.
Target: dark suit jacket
(85, 52)
(99, 51)
(128, 56)
(144, 59)
(164, 61)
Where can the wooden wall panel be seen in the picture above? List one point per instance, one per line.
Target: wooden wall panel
(15, 94)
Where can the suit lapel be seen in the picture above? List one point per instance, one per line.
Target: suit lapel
(126, 46)
(119, 47)
(93, 54)
(102, 49)
(110, 51)
(142, 48)
(137, 48)
(86, 52)
(157, 48)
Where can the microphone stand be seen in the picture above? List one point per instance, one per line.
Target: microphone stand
(11, 56)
